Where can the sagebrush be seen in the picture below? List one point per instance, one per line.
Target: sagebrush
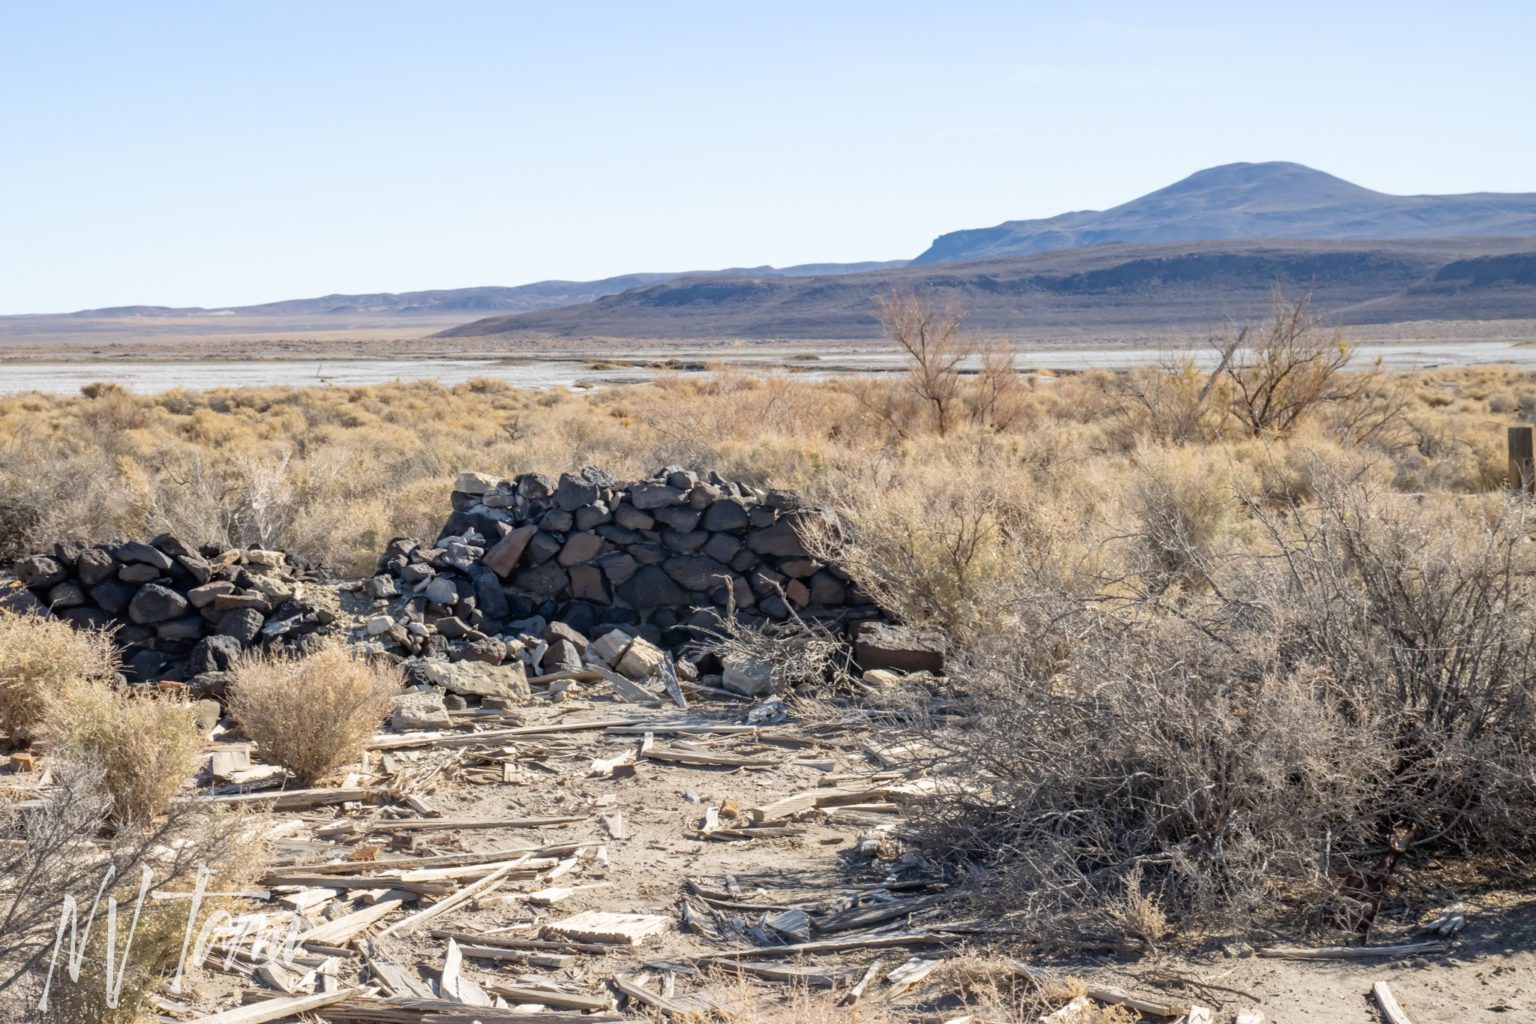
(312, 712)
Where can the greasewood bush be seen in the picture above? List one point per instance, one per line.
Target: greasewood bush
(1242, 750)
(311, 713)
(43, 657)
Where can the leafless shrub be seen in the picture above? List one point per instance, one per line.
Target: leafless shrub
(1268, 378)
(311, 713)
(66, 847)
(997, 394)
(1286, 368)
(1248, 752)
(946, 393)
(936, 348)
(801, 652)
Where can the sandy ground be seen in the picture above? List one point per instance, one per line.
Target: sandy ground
(642, 828)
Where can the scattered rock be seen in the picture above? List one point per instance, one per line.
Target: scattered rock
(610, 647)
(886, 645)
(749, 677)
(476, 679)
(640, 660)
(420, 709)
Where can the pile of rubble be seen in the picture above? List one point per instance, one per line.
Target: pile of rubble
(529, 577)
(180, 613)
(654, 560)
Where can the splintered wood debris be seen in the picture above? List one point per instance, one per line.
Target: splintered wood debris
(410, 902)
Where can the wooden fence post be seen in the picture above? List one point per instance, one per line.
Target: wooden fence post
(1522, 459)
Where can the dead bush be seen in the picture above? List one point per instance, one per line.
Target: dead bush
(800, 652)
(147, 744)
(311, 713)
(1244, 754)
(67, 847)
(42, 657)
(1284, 369)
(936, 348)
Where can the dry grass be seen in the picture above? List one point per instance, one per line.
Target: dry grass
(1221, 632)
(966, 985)
(332, 473)
(60, 684)
(43, 656)
(147, 744)
(311, 713)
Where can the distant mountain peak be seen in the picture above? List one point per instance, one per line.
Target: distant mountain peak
(1272, 176)
(1272, 199)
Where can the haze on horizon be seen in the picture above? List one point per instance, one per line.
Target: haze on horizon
(192, 154)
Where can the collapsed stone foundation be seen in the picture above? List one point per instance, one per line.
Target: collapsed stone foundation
(179, 613)
(660, 558)
(529, 575)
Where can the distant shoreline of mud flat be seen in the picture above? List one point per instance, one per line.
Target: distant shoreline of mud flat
(152, 372)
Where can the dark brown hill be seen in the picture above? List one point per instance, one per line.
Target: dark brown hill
(1192, 285)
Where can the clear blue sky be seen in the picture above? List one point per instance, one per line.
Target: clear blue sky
(217, 153)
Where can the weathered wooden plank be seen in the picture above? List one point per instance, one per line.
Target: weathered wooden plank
(343, 928)
(1390, 1007)
(640, 994)
(490, 736)
(710, 759)
(910, 974)
(276, 1009)
(551, 997)
(796, 974)
(470, 940)
(434, 824)
(416, 920)
(287, 799)
(840, 945)
(863, 917)
(1351, 952)
(669, 681)
(601, 926)
(1148, 1005)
